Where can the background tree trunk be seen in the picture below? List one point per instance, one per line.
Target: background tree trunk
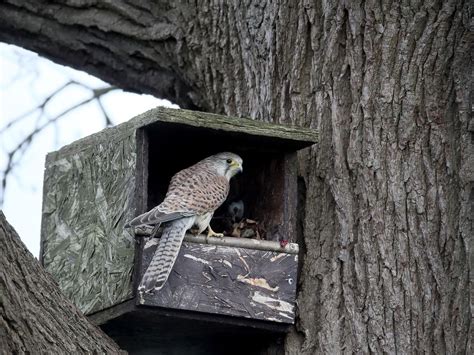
(389, 190)
(35, 317)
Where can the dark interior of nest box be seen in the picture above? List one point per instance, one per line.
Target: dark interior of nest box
(263, 186)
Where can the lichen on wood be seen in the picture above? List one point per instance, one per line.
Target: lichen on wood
(227, 123)
(294, 136)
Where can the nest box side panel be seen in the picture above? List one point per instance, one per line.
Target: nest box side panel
(88, 197)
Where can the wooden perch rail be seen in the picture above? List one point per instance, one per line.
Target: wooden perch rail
(267, 245)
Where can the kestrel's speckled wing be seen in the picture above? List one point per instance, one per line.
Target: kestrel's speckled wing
(192, 192)
(197, 189)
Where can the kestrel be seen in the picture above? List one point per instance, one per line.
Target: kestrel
(193, 196)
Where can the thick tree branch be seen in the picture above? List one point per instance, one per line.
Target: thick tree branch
(121, 44)
(35, 317)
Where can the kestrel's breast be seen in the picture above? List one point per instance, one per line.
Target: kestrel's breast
(197, 190)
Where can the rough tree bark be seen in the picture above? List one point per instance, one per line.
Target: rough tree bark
(389, 190)
(35, 317)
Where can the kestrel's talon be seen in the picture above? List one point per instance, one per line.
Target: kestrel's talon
(211, 233)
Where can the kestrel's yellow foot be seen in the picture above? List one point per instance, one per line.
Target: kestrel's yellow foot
(211, 233)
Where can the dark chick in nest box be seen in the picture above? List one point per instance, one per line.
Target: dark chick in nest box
(239, 227)
(236, 211)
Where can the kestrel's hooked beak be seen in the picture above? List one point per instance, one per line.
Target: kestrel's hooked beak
(237, 166)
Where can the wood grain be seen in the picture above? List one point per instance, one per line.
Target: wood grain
(229, 281)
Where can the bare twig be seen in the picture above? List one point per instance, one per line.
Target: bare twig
(14, 155)
(108, 120)
(40, 107)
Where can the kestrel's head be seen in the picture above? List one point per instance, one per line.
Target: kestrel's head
(227, 164)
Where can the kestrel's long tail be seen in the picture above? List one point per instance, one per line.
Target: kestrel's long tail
(165, 255)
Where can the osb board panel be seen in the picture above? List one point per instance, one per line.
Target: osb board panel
(88, 197)
(229, 281)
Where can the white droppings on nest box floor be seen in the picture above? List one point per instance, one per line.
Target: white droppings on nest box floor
(273, 303)
(285, 315)
(152, 242)
(276, 257)
(227, 263)
(192, 257)
(260, 282)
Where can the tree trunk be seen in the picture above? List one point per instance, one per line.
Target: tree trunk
(35, 317)
(388, 191)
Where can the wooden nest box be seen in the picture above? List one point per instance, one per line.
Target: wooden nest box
(95, 185)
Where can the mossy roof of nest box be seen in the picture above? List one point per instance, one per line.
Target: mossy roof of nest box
(291, 136)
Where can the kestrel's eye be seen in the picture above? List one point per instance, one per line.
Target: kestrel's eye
(229, 161)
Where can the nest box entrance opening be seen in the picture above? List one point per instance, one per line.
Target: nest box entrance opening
(266, 189)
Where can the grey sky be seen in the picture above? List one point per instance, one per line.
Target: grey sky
(25, 80)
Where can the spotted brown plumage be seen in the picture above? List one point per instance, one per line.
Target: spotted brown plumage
(193, 196)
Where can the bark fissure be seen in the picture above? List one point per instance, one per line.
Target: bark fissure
(34, 315)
